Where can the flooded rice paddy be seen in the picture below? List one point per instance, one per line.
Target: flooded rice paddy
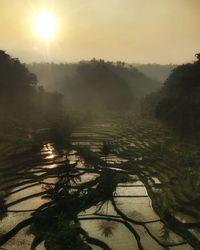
(133, 218)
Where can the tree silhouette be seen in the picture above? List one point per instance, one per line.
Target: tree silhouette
(21, 99)
(179, 106)
(17, 86)
(15, 77)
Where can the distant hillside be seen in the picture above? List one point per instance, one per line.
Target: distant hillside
(95, 83)
(156, 71)
(51, 75)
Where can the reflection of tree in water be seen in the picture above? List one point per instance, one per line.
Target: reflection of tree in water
(135, 214)
(107, 228)
(2, 205)
(58, 232)
(106, 149)
(57, 223)
(165, 234)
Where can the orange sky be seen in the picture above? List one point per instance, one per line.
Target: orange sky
(140, 31)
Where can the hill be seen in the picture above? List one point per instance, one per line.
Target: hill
(96, 83)
(156, 71)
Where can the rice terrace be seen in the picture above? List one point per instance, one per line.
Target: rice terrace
(99, 125)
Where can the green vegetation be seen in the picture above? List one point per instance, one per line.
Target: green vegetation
(96, 85)
(99, 194)
(123, 154)
(177, 103)
(26, 110)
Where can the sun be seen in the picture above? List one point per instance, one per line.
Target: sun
(45, 25)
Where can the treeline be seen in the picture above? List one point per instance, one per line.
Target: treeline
(177, 103)
(96, 84)
(23, 104)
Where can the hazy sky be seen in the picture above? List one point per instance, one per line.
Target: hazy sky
(140, 31)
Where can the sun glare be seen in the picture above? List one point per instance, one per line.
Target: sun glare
(45, 25)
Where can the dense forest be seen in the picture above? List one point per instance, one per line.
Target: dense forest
(79, 184)
(24, 106)
(176, 104)
(96, 84)
(99, 125)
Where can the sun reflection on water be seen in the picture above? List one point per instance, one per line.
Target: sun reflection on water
(49, 150)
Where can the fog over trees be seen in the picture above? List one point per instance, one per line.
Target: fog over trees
(156, 71)
(24, 105)
(96, 83)
(99, 125)
(177, 102)
(85, 146)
